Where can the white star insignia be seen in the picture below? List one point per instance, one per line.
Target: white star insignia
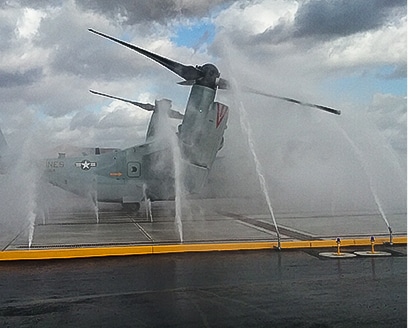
(85, 164)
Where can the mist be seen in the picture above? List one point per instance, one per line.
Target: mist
(313, 162)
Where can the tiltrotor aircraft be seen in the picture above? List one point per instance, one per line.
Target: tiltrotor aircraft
(148, 170)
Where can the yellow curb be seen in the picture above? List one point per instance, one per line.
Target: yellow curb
(159, 249)
(69, 253)
(295, 244)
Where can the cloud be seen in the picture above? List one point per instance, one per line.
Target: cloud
(14, 79)
(290, 37)
(130, 12)
(343, 18)
(28, 24)
(324, 20)
(83, 119)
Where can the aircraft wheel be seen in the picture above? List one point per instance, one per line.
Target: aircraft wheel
(131, 207)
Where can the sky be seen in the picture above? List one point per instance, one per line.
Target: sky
(350, 55)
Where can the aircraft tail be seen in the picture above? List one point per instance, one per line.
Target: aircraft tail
(204, 144)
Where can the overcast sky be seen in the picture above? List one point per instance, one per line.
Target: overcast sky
(349, 55)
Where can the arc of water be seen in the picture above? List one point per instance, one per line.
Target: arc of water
(94, 198)
(360, 158)
(177, 186)
(170, 136)
(243, 117)
(31, 180)
(245, 126)
(31, 222)
(148, 204)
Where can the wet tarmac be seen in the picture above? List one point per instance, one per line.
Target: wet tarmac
(269, 288)
(219, 289)
(205, 221)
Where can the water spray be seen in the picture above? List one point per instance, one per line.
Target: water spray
(148, 204)
(177, 186)
(30, 177)
(247, 129)
(373, 190)
(162, 109)
(94, 198)
(31, 224)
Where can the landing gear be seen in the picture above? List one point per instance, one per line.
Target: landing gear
(131, 207)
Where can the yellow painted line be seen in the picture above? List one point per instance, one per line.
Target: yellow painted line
(295, 244)
(69, 253)
(399, 240)
(158, 249)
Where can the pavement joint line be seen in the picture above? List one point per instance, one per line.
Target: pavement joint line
(269, 232)
(295, 231)
(144, 232)
(23, 229)
(87, 252)
(267, 225)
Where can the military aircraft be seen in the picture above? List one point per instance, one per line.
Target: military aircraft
(149, 170)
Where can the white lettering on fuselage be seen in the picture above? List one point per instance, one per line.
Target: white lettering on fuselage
(54, 164)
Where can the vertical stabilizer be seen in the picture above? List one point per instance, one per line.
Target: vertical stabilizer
(201, 135)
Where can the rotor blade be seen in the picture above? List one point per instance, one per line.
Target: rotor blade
(148, 107)
(324, 108)
(186, 72)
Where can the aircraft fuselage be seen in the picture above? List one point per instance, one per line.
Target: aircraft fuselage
(128, 175)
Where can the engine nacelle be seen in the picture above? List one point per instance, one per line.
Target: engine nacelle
(201, 135)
